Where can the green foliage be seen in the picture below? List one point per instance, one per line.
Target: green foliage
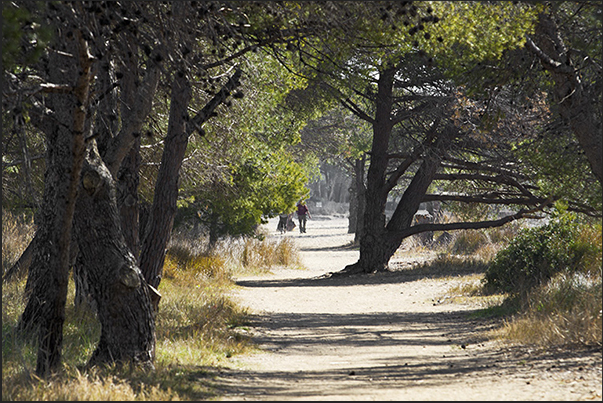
(560, 168)
(24, 39)
(253, 189)
(537, 254)
(471, 32)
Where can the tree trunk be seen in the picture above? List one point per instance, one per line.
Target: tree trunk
(118, 288)
(163, 210)
(574, 103)
(127, 198)
(379, 242)
(353, 209)
(359, 200)
(118, 144)
(22, 265)
(180, 127)
(372, 250)
(411, 200)
(49, 272)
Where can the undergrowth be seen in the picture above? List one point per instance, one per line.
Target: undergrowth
(199, 327)
(543, 282)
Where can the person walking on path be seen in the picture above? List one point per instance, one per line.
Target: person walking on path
(282, 222)
(302, 215)
(290, 224)
(285, 222)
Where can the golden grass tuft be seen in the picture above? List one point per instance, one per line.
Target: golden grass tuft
(91, 385)
(565, 311)
(267, 254)
(17, 232)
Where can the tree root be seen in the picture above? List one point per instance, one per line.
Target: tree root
(358, 269)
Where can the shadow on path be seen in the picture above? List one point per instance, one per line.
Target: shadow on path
(468, 358)
(385, 329)
(389, 277)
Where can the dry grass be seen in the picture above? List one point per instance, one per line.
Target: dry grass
(565, 311)
(198, 327)
(471, 291)
(247, 255)
(17, 232)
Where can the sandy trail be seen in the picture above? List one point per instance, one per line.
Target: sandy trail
(383, 337)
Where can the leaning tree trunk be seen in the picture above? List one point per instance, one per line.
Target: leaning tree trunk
(408, 205)
(158, 230)
(121, 295)
(163, 210)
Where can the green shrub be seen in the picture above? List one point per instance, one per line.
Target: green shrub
(537, 254)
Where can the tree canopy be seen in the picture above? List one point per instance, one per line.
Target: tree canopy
(117, 116)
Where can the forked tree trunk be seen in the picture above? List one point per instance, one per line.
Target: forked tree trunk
(379, 242)
(122, 296)
(372, 249)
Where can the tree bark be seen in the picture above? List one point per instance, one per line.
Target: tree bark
(163, 210)
(373, 225)
(574, 103)
(49, 272)
(411, 200)
(180, 127)
(122, 296)
(22, 265)
(358, 199)
(127, 199)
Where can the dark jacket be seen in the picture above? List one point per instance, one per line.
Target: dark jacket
(302, 210)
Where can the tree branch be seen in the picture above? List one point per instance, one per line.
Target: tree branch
(120, 145)
(547, 60)
(489, 198)
(204, 114)
(356, 110)
(500, 179)
(405, 114)
(414, 156)
(461, 164)
(417, 229)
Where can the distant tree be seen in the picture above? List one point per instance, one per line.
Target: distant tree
(400, 74)
(342, 139)
(244, 168)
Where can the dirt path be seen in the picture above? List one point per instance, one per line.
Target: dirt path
(383, 337)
